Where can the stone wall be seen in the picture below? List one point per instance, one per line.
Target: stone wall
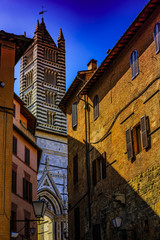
(122, 103)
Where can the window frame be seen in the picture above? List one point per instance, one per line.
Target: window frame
(132, 139)
(13, 223)
(74, 115)
(99, 169)
(14, 145)
(134, 64)
(27, 190)
(27, 156)
(14, 181)
(156, 37)
(96, 107)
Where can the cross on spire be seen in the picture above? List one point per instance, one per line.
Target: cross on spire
(43, 11)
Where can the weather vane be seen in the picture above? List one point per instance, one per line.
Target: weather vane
(43, 11)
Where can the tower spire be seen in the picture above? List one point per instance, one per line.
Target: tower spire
(60, 35)
(37, 26)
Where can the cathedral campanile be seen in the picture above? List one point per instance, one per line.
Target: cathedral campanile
(42, 86)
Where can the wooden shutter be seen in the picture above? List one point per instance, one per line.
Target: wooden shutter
(94, 172)
(129, 143)
(143, 124)
(156, 36)
(14, 181)
(24, 188)
(14, 145)
(27, 156)
(96, 107)
(30, 192)
(103, 165)
(75, 169)
(134, 64)
(74, 114)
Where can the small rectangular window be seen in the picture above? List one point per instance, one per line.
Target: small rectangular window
(27, 156)
(74, 114)
(137, 138)
(96, 107)
(156, 36)
(14, 145)
(134, 64)
(14, 181)
(99, 169)
(13, 221)
(27, 190)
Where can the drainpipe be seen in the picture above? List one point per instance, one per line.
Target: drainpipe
(87, 159)
(87, 164)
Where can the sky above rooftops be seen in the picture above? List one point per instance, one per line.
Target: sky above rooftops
(90, 27)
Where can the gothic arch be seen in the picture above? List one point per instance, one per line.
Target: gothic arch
(48, 194)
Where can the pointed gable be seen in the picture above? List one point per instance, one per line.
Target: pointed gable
(47, 182)
(42, 33)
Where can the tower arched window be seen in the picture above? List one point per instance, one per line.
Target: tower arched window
(55, 57)
(50, 77)
(156, 36)
(50, 118)
(28, 78)
(134, 64)
(96, 107)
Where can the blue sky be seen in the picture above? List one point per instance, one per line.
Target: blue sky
(90, 27)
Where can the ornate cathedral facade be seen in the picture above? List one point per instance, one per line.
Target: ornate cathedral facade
(42, 86)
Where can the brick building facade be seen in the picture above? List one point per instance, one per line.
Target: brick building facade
(113, 123)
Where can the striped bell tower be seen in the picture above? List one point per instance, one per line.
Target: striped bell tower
(42, 86)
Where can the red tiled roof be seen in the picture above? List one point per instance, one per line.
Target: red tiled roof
(131, 31)
(22, 43)
(127, 36)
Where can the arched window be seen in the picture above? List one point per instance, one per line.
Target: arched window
(96, 107)
(134, 64)
(156, 36)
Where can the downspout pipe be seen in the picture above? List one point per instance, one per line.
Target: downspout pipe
(87, 157)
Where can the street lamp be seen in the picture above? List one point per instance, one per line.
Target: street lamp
(39, 208)
(117, 222)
